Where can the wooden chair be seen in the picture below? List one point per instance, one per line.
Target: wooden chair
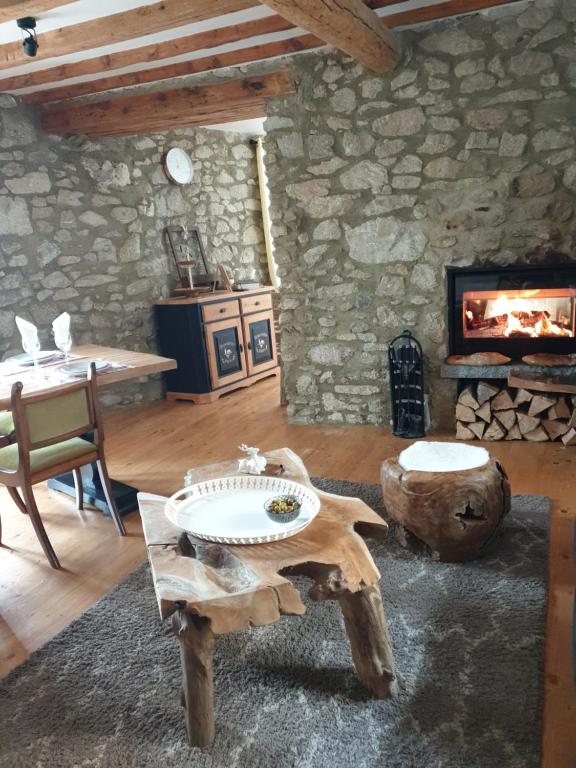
(6, 428)
(48, 429)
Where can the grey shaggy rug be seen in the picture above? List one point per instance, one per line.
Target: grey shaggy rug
(468, 640)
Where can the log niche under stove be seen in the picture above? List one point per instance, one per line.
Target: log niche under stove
(516, 310)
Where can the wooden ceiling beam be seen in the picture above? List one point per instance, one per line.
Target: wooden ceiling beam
(246, 55)
(163, 110)
(148, 53)
(198, 120)
(205, 64)
(10, 10)
(349, 25)
(119, 27)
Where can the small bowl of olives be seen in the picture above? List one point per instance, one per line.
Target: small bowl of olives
(283, 509)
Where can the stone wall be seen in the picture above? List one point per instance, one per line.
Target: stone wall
(82, 222)
(464, 155)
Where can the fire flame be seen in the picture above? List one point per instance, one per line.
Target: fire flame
(529, 313)
(521, 317)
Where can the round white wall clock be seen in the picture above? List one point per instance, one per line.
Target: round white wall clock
(178, 166)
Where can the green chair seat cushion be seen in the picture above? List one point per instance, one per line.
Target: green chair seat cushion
(6, 423)
(44, 458)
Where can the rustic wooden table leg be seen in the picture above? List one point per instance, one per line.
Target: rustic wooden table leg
(369, 640)
(196, 647)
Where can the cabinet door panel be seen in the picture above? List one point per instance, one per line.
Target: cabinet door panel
(260, 342)
(225, 346)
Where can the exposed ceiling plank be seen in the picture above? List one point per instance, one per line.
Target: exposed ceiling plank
(10, 10)
(348, 25)
(432, 12)
(148, 53)
(442, 10)
(205, 64)
(161, 111)
(118, 27)
(381, 3)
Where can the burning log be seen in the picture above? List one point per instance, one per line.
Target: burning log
(524, 313)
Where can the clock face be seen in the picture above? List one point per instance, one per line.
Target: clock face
(178, 166)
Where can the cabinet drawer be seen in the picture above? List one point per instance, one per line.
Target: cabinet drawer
(256, 303)
(220, 310)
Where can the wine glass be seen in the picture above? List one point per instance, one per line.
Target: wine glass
(31, 345)
(64, 343)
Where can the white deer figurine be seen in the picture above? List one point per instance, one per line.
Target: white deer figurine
(254, 464)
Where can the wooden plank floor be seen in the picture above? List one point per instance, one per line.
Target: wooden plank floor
(152, 446)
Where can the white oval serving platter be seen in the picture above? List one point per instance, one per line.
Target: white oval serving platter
(230, 510)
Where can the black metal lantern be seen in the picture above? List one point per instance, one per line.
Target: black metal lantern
(407, 385)
(30, 44)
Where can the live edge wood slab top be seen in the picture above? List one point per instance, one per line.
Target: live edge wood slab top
(137, 364)
(213, 296)
(236, 586)
(212, 589)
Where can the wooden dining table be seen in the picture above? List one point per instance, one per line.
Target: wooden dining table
(125, 365)
(134, 365)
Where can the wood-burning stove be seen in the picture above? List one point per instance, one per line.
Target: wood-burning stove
(517, 310)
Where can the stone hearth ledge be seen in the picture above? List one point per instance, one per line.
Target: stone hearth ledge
(501, 371)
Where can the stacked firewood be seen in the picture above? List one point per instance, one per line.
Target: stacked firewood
(485, 411)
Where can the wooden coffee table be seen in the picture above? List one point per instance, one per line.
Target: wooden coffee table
(212, 589)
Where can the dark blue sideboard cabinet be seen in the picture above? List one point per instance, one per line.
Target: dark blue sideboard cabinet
(221, 341)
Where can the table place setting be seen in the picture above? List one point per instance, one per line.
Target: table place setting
(78, 369)
(52, 366)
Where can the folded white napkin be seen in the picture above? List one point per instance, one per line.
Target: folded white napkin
(61, 327)
(29, 334)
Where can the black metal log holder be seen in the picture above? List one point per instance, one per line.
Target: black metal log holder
(407, 386)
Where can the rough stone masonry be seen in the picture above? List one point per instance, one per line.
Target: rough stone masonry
(82, 223)
(465, 155)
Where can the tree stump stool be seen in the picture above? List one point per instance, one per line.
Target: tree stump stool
(451, 497)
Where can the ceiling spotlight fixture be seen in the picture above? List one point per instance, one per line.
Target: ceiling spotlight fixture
(29, 39)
